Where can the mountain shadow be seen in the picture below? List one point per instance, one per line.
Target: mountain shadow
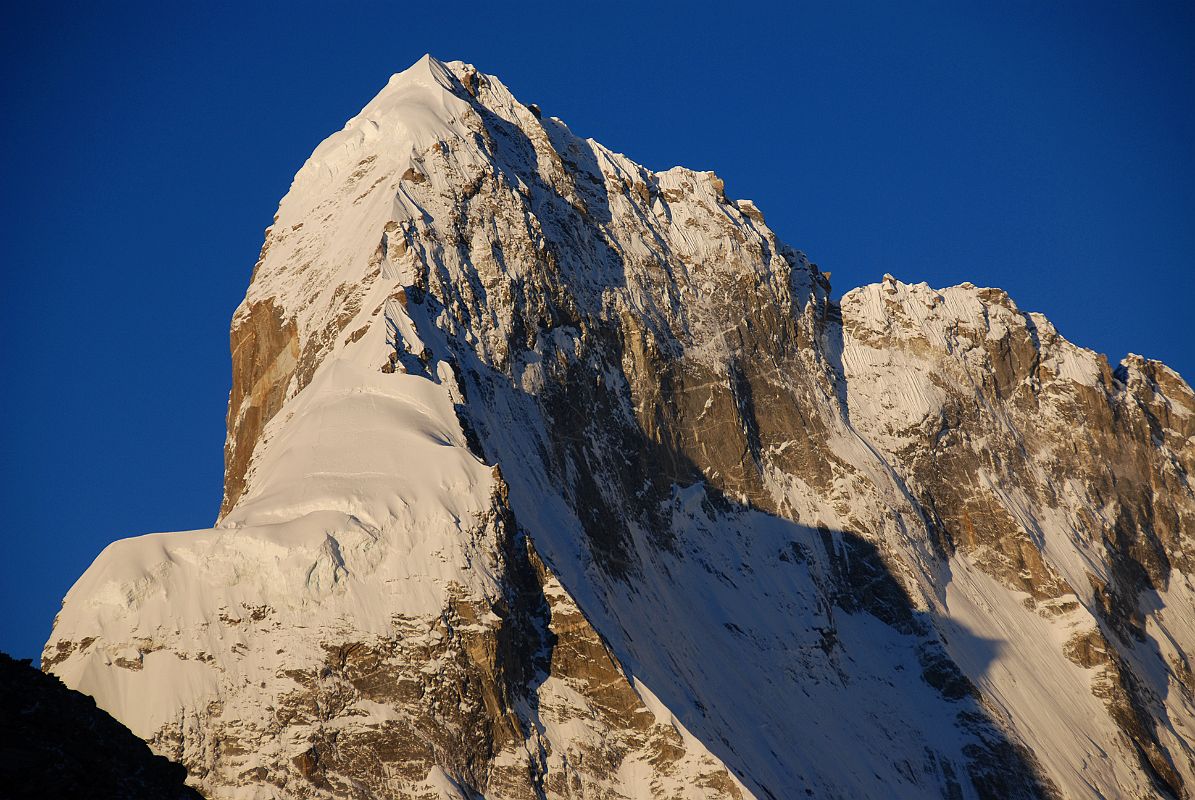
(55, 742)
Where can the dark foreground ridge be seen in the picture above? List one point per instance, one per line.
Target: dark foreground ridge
(55, 743)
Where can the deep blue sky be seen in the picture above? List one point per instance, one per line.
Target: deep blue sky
(1045, 148)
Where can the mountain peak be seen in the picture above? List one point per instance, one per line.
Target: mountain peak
(543, 468)
(428, 72)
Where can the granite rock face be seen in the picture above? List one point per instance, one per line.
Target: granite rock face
(552, 476)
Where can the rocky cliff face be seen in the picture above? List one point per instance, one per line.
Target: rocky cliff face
(552, 476)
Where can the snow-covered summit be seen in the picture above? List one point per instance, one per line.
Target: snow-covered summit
(415, 109)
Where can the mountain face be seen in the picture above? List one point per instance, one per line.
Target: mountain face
(549, 476)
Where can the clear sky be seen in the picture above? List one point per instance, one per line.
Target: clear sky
(1046, 148)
